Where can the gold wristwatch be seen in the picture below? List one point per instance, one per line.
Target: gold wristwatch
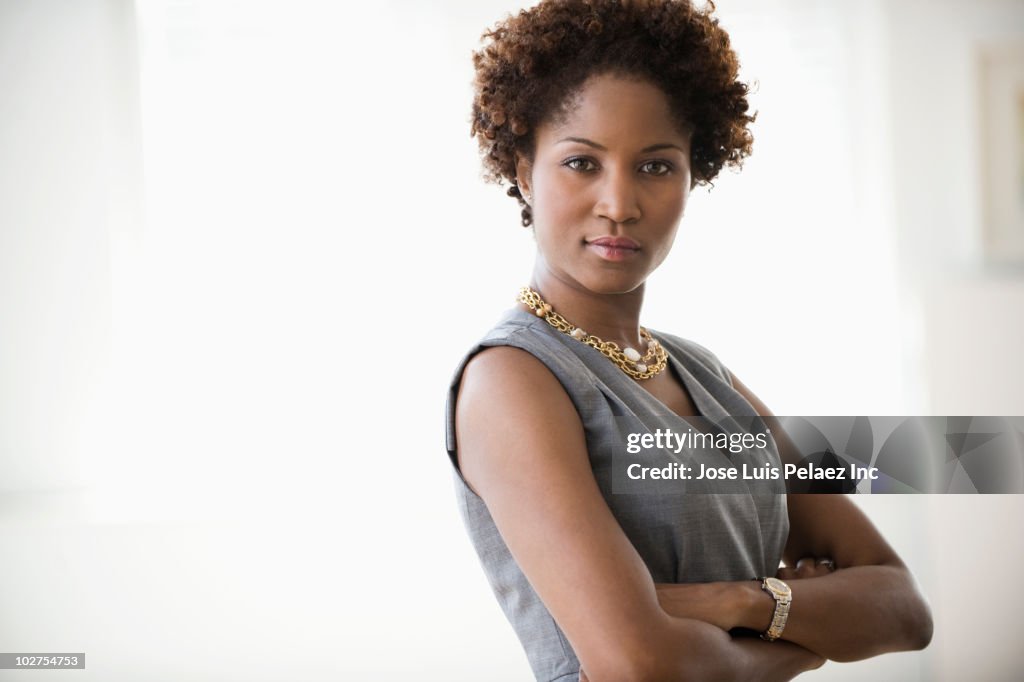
(783, 597)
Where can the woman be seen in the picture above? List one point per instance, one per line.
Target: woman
(603, 115)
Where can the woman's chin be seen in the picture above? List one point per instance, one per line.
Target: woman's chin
(613, 282)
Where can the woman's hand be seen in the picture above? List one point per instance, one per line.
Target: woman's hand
(807, 567)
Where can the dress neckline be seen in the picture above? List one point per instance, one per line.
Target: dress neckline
(698, 395)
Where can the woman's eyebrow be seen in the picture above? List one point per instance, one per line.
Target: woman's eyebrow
(595, 145)
(583, 140)
(662, 145)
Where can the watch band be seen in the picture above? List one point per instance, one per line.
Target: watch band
(783, 597)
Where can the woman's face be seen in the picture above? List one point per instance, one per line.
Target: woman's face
(608, 185)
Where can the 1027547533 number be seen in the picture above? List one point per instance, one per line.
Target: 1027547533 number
(9, 661)
(45, 661)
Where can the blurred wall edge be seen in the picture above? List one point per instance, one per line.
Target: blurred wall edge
(972, 315)
(70, 182)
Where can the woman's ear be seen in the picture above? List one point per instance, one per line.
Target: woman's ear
(523, 175)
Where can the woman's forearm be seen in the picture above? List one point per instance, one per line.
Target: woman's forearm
(764, 661)
(688, 649)
(854, 613)
(848, 615)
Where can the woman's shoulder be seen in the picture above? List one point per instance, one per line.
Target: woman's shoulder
(519, 329)
(517, 347)
(513, 322)
(519, 355)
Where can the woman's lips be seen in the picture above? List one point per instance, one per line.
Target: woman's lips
(614, 248)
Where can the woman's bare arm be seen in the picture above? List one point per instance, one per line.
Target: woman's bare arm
(869, 606)
(521, 447)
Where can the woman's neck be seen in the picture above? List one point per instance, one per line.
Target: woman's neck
(610, 317)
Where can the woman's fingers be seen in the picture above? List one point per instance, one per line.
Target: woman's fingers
(807, 567)
(786, 573)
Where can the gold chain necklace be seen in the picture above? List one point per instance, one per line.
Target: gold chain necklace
(629, 360)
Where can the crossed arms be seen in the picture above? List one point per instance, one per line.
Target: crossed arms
(522, 449)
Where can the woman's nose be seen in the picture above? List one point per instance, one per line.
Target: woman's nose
(617, 197)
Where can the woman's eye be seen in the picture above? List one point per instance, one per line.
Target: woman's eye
(579, 164)
(657, 167)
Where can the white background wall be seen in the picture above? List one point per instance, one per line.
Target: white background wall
(243, 245)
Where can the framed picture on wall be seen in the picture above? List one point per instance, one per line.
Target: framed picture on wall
(1002, 128)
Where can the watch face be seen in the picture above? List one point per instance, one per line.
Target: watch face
(777, 586)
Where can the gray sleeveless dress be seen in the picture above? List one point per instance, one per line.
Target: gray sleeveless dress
(682, 538)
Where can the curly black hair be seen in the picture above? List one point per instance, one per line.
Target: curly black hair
(532, 63)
